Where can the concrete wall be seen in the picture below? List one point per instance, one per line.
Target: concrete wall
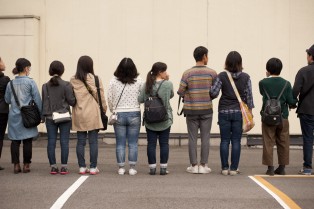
(160, 30)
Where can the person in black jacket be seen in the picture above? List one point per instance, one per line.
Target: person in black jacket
(304, 89)
(4, 107)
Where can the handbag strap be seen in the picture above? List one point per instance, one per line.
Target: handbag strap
(120, 97)
(234, 87)
(15, 97)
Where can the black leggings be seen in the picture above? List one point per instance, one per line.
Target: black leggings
(3, 126)
(27, 150)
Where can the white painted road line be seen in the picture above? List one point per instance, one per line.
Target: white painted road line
(67, 194)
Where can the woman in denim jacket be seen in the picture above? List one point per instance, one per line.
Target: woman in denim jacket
(26, 90)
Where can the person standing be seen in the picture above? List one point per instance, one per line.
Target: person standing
(229, 112)
(195, 89)
(86, 118)
(303, 88)
(277, 135)
(157, 79)
(26, 90)
(4, 107)
(57, 96)
(123, 92)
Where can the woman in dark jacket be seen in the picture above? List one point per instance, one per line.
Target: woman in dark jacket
(4, 107)
(57, 96)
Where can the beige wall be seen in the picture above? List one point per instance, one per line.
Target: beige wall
(163, 30)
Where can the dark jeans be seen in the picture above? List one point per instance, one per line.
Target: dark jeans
(52, 132)
(27, 150)
(3, 126)
(163, 137)
(230, 126)
(307, 127)
(93, 147)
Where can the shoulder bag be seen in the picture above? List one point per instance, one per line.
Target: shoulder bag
(30, 113)
(56, 116)
(247, 117)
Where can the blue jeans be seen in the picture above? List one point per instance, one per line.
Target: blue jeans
(127, 128)
(307, 127)
(52, 132)
(163, 143)
(230, 126)
(93, 147)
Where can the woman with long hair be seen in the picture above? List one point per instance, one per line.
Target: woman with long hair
(57, 96)
(26, 90)
(123, 91)
(4, 107)
(229, 112)
(157, 79)
(86, 116)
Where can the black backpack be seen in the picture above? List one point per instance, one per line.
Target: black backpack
(154, 110)
(271, 114)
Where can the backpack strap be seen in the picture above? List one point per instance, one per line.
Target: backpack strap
(158, 88)
(268, 97)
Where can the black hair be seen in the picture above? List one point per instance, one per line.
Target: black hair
(233, 62)
(56, 70)
(157, 68)
(20, 65)
(84, 66)
(274, 66)
(126, 71)
(199, 53)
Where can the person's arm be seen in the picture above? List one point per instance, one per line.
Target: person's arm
(183, 86)
(7, 95)
(69, 94)
(36, 96)
(110, 96)
(102, 94)
(249, 95)
(215, 89)
(291, 101)
(298, 83)
(141, 96)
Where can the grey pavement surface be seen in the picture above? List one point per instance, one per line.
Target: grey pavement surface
(38, 189)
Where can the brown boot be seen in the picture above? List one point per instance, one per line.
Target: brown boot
(26, 168)
(17, 168)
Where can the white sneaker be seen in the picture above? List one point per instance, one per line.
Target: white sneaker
(225, 172)
(204, 169)
(233, 173)
(192, 169)
(83, 170)
(93, 171)
(121, 171)
(132, 172)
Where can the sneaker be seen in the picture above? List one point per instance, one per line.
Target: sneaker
(93, 171)
(64, 171)
(132, 172)
(192, 169)
(204, 169)
(305, 171)
(83, 170)
(121, 171)
(234, 172)
(54, 170)
(225, 172)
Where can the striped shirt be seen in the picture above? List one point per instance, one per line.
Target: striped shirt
(195, 88)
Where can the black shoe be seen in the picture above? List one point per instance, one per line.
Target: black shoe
(152, 171)
(270, 171)
(64, 171)
(280, 170)
(54, 170)
(163, 171)
(1, 168)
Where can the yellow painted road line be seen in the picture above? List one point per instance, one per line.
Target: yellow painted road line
(285, 201)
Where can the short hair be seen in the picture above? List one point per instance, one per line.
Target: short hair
(126, 71)
(20, 64)
(199, 52)
(233, 62)
(274, 66)
(56, 70)
(85, 65)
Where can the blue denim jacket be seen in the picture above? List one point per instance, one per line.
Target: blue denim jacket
(26, 90)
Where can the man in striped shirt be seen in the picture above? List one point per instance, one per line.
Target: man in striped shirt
(195, 89)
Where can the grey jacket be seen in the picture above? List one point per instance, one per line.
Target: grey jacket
(60, 98)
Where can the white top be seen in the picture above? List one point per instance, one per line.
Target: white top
(128, 101)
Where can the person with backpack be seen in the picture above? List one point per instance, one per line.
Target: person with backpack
(304, 89)
(156, 94)
(277, 96)
(195, 87)
(229, 111)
